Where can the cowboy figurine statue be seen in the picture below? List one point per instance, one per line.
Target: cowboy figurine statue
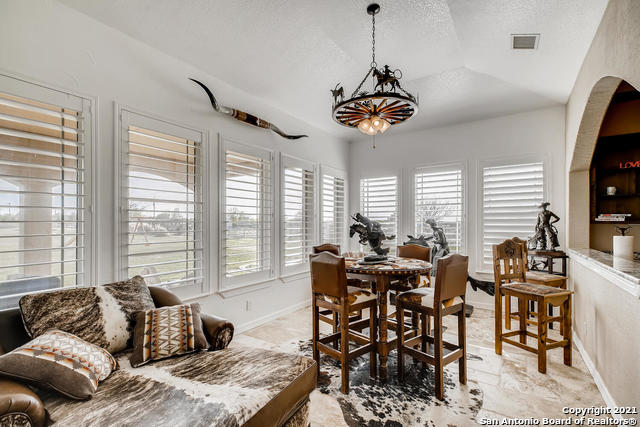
(546, 233)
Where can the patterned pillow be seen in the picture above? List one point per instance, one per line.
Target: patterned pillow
(167, 331)
(60, 361)
(100, 315)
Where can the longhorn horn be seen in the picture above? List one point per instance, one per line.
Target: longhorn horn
(242, 116)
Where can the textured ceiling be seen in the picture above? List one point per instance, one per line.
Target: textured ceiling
(456, 54)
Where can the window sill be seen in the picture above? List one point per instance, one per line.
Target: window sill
(244, 288)
(286, 278)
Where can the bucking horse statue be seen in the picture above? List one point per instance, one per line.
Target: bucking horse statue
(370, 232)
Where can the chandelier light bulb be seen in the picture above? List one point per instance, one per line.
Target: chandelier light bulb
(385, 125)
(376, 122)
(365, 126)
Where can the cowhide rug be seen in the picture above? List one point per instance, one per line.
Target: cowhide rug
(374, 403)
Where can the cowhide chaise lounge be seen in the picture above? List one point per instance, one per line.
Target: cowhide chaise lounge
(225, 386)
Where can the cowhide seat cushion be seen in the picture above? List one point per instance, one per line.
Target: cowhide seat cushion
(425, 297)
(355, 295)
(229, 387)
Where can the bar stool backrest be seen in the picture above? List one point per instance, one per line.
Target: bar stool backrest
(525, 252)
(327, 247)
(451, 277)
(328, 274)
(508, 262)
(415, 251)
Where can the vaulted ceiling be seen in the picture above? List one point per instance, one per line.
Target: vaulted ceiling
(455, 54)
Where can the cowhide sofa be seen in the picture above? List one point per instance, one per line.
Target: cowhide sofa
(226, 386)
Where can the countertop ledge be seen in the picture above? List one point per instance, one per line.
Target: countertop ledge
(622, 272)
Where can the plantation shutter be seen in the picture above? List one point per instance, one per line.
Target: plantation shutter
(511, 196)
(379, 202)
(44, 219)
(297, 215)
(332, 211)
(439, 195)
(247, 214)
(161, 202)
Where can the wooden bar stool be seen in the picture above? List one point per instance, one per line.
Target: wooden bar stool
(417, 252)
(447, 297)
(330, 291)
(540, 278)
(328, 316)
(509, 277)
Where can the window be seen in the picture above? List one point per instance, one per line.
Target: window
(44, 200)
(297, 214)
(511, 195)
(161, 202)
(438, 195)
(332, 211)
(379, 202)
(246, 214)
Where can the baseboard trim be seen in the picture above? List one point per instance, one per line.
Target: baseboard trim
(264, 319)
(604, 391)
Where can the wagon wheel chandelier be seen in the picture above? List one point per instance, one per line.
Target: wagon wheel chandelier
(386, 105)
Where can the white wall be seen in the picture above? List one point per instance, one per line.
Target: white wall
(52, 44)
(601, 312)
(535, 133)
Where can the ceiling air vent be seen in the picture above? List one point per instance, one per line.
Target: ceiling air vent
(524, 41)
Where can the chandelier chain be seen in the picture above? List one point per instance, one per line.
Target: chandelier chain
(373, 41)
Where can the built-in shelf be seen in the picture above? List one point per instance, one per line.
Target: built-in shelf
(610, 153)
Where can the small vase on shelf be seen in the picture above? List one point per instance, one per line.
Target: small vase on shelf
(623, 244)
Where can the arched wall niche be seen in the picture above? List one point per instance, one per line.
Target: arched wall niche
(578, 180)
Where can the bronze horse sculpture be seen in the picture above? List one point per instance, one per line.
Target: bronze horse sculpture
(244, 117)
(370, 232)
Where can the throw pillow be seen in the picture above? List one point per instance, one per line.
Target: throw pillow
(59, 361)
(167, 331)
(100, 315)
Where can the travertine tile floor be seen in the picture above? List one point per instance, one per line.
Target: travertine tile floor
(511, 383)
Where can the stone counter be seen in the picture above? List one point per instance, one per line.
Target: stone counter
(621, 272)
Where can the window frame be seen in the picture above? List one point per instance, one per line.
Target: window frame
(498, 162)
(399, 205)
(443, 167)
(251, 281)
(59, 96)
(340, 174)
(287, 161)
(165, 125)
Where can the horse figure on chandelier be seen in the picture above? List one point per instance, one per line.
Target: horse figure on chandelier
(386, 77)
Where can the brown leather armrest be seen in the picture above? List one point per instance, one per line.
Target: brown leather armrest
(219, 331)
(162, 297)
(19, 403)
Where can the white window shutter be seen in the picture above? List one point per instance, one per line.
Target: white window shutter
(162, 224)
(297, 216)
(246, 214)
(332, 211)
(439, 195)
(379, 202)
(44, 241)
(511, 196)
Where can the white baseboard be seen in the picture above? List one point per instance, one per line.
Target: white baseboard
(264, 319)
(604, 391)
